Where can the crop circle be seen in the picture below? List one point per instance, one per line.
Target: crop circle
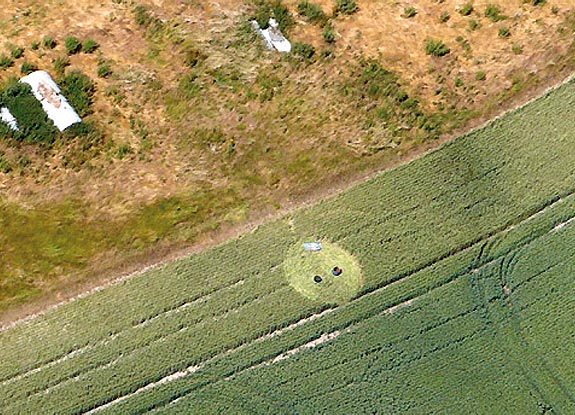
(311, 273)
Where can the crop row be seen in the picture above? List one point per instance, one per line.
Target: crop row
(351, 359)
(134, 301)
(470, 255)
(253, 356)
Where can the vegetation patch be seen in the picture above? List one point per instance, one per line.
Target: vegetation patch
(436, 47)
(33, 123)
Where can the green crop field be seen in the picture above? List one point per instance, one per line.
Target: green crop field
(459, 298)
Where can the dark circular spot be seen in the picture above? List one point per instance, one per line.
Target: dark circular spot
(336, 271)
(317, 278)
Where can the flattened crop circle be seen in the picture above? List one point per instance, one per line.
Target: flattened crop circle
(335, 285)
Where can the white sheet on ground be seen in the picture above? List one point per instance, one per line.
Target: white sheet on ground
(54, 104)
(7, 118)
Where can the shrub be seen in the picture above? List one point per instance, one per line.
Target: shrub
(72, 44)
(27, 68)
(78, 88)
(555, 9)
(345, 7)
(328, 33)
(474, 25)
(458, 82)
(311, 11)
(48, 42)
(33, 123)
(141, 15)
(444, 17)
(504, 31)
(281, 14)
(60, 64)
(89, 45)
(302, 50)
(436, 47)
(517, 49)
(466, 9)
(16, 51)
(493, 12)
(538, 2)
(409, 12)
(123, 150)
(5, 61)
(104, 69)
(34, 45)
(480, 76)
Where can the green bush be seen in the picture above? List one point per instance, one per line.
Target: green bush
(60, 64)
(48, 42)
(27, 68)
(78, 88)
(16, 51)
(436, 48)
(345, 7)
(409, 12)
(538, 2)
(328, 33)
(311, 11)
(282, 15)
(5, 61)
(277, 10)
(504, 31)
(466, 9)
(444, 17)
(34, 45)
(104, 69)
(474, 25)
(303, 51)
(33, 123)
(517, 49)
(72, 44)
(123, 150)
(459, 82)
(480, 76)
(141, 15)
(493, 12)
(89, 45)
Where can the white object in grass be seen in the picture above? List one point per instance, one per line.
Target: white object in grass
(312, 246)
(7, 118)
(273, 36)
(54, 104)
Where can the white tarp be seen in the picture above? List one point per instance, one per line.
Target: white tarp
(312, 246)
(54, 104)
(273, 36)
(7, 118)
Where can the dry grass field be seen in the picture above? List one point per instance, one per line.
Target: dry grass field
(205, 131)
